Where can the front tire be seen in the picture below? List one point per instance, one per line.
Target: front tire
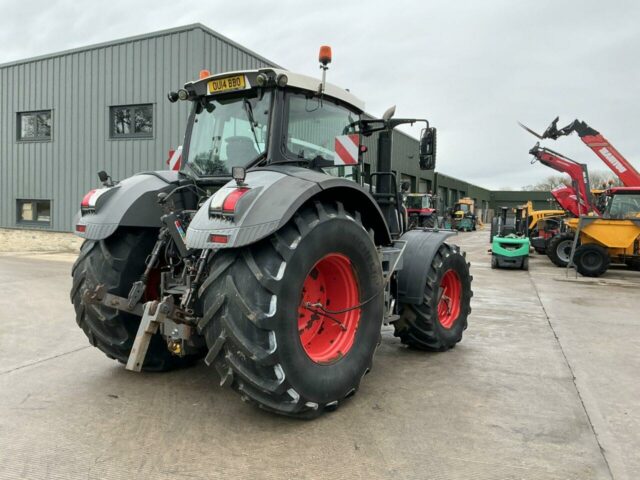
(438, 323)
(267, 336)
(117, 262)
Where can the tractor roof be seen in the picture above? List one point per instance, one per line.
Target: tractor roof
(295, 80)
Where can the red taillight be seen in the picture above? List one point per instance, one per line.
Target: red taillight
(87, 198)
(229, 204)
(214, 238)
(81, 228)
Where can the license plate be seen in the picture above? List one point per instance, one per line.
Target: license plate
(227, 84)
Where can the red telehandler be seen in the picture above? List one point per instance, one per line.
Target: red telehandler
(593, 139)
(578, 173)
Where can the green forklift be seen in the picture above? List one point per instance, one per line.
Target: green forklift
(510, 240)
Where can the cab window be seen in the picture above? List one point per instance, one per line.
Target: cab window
(624, 206)
(322, 130)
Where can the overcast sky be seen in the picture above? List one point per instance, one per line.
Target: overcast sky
(472, 68)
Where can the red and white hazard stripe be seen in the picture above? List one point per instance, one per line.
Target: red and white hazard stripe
(175, 159)
(346, 149)
(90, 199)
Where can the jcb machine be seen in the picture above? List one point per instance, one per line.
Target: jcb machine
(262, 255)
(463, 215)
(612, 238)
(510, 245)
(421, 210)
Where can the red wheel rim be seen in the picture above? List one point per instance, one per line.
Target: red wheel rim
(449, 298)
(331, 283)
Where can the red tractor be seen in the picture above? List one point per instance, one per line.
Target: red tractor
(421, 210)
(265, 254)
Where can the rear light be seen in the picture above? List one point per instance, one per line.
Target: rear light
(215, 238)
(225, 200)
(229, 204)
(81, 228)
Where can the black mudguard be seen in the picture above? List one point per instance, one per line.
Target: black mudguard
(132, 203)
(275, 194)
(422, 246)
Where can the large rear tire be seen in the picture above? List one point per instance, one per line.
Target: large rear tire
(268, 337)
(438, 323)
(117, 262)
(559, 249)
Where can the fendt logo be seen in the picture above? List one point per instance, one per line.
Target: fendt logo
(614, 161)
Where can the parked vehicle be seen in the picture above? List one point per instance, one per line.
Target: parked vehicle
(265, 254)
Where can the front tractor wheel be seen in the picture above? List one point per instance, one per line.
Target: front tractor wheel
(438, 323)
(292, 322)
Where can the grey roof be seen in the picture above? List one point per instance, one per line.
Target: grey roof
(158, 33)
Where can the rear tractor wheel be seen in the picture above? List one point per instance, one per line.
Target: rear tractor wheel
(438, 323)
(117, 262)
(292, 322)
(428, 222)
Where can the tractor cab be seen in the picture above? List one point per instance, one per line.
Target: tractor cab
(419, 201)
(421, 210)
(265, 117)
(275, 119)
(621, 203)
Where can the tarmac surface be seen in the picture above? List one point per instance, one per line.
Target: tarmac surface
(545, 385)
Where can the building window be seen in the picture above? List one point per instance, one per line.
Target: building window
(34, 126)
(34, 211)
(131, 121)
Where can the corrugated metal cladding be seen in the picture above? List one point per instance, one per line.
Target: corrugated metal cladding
(79, 87)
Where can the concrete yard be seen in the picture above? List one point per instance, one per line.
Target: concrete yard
(545, 385)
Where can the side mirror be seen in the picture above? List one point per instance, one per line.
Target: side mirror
(428, 149)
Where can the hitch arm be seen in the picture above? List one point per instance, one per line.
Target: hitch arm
(100, 296)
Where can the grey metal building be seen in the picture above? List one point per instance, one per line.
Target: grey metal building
(67, 115)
